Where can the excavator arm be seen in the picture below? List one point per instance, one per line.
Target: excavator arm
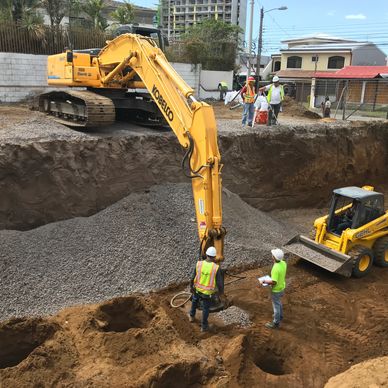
(193, 123)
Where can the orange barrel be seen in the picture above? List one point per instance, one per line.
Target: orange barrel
(263, 117)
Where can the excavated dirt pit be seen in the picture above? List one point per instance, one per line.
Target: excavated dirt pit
(127, 227)
(20, 337)
(123, 314)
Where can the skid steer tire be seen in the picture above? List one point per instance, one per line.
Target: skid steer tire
(362, 260)
(381, 252)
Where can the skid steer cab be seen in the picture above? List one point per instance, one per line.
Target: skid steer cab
(351, 238)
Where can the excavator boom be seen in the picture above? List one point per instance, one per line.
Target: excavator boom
(134, 61)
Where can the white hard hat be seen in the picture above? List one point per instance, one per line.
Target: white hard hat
(278, 254)
(211, 251)
(275, 79)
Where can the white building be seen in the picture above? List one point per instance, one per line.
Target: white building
(178, 15)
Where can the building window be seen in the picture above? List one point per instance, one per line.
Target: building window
(294, 62)
(336, 62)
(314, 58)
(276, 66)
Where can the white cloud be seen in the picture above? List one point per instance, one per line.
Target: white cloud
(359, 16)
(331, 13)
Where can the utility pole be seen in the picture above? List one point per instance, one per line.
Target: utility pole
(250, 39)
(168, 20)
(260, 45)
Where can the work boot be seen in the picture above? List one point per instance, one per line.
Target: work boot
(191, 319)
(272, 325)
(204, 329)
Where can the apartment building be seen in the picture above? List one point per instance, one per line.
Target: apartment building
(177, 15)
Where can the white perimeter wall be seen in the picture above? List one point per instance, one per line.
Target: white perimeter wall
(209, 83)
(21, 75)
(24, 75)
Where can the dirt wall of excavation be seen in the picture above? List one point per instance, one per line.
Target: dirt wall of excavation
(48, 180)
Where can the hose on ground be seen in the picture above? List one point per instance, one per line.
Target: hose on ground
(188, 294)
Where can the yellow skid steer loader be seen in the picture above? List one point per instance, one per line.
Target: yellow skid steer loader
(351, 238)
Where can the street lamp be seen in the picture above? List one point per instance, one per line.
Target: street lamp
(260, 43)
(250, 40)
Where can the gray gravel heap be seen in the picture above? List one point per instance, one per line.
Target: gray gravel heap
(235, 316)
(144, 242)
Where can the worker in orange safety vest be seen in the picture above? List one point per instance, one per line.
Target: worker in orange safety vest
(248, 94)
(207, 279)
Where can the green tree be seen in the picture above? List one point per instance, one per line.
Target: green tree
(123, 14)
(213, 43)
(94, 9)
(25, 14)
(58, 9)
(16, 10)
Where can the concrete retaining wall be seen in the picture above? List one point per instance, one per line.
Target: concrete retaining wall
(24, 75)
(21, 75)
(210, 80)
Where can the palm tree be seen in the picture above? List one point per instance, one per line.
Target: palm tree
(123, 14)
(58, 9)
(24, 13)
(94, 9)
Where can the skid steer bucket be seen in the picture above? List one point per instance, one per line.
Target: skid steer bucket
(320, 255)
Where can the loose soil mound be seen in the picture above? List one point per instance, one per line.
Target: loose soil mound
(372, 374)
(295, 109)
(140, 341)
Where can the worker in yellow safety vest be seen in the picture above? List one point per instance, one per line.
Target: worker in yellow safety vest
(248, 94)
(275, 97)
(207, 279)
(223, 88)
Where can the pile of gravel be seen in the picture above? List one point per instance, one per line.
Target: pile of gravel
(234, 316)
(144, 242)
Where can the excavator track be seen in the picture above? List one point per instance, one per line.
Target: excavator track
(78, 108)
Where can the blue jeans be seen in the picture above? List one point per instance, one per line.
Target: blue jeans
(205, 308)
(277, 307)
(248, 112)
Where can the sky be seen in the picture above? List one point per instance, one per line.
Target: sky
(354, 19)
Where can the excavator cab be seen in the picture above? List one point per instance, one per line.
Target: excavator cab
(352, 237)
(151, 32)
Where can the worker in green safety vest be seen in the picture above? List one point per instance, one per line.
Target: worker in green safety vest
(207, 279)
(223, 88)
(278, 285)
(275, 97)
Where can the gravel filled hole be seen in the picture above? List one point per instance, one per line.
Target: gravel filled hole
(124, 313)
(19, 338)
(271, 363)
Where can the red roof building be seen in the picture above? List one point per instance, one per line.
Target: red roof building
(356, 72)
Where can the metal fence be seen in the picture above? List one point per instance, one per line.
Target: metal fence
(48, 40)
(349, 97)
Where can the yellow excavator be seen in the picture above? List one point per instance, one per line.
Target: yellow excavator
(351, 238)
(127, 63)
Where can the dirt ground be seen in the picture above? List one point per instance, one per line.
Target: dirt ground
(330, 324)
(293, 113)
